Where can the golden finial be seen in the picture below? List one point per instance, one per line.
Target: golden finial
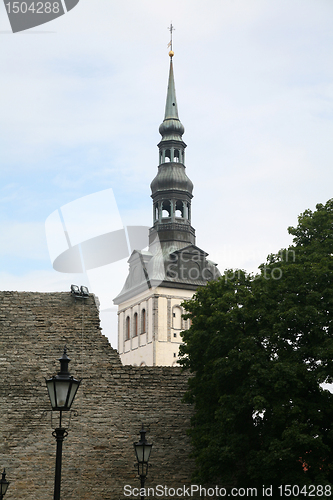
(171, 29)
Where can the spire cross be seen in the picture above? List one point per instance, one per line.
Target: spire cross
(171, 29)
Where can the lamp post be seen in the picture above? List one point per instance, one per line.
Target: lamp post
(142, 452)
(62, 390)
(3, 485)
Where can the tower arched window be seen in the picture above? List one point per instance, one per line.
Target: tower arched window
(166, 209)
(179, 208)
(176, 155)
(128, 328)
(167, 156)
(135, 333)
(143, 321)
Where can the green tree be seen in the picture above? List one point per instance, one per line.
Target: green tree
(259, 348)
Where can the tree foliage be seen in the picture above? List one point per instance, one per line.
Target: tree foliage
(259, 347)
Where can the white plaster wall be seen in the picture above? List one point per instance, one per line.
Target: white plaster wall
(162, 319)
(138, 356)
(141, 349)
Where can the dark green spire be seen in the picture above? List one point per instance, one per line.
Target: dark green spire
(171, 128)
(171, 188)
(171, 110)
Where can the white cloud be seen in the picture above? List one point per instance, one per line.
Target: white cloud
(23, 239)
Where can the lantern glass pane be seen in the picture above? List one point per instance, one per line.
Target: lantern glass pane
(50, 388)
(147, 450)
(62, 387)
(143, 452)
(74, 388)
(4, 487)
(139, 452)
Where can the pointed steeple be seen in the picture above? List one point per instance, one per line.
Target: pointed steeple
(171, 110)
(171, 188)
(171, 128)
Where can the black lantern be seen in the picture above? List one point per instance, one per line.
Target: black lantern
(142, 452)
(62, 390)
(62, 387)
(3, 485)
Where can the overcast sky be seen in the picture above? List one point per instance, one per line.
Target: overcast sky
(82, 98)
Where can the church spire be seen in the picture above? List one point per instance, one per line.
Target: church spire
(171, 110)
(171, 188)
(171, 128)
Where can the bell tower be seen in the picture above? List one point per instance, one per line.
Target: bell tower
(171, 188)
(150, 314)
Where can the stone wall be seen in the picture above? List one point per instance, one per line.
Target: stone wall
(112, 401)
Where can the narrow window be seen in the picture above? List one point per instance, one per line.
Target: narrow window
(177, 318)
(166, 209)
(179, 208)
(143, 320)
(135, 324)
(128, 328)
(167, 155)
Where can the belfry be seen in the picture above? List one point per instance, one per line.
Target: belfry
(149, 306)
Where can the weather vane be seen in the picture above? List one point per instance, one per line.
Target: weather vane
(171, 29)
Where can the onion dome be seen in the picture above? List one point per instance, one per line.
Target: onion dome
(171, 177)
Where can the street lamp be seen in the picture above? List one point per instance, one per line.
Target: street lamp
(62, 390)
(142, 452)
(3, 485)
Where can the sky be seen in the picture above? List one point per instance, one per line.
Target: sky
(82, 98)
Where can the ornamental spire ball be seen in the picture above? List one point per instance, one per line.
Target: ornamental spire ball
(171, 29)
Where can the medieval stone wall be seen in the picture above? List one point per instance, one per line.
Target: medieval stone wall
(112, 401)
